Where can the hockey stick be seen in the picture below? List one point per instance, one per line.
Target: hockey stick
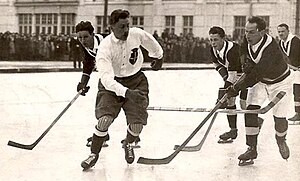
(263, 110)
(168, 159)
(153, 108)
(31, 146)
(199, 146)
(231, 111)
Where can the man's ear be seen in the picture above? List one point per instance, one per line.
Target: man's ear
(262, 32)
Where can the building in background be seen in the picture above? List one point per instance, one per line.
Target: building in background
(178, 16)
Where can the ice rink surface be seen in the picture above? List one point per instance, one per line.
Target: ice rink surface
(30, 102)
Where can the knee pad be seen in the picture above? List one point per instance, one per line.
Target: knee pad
(231, 103)
(243, 94)
(135, 129)
(296, 92)
(281, 126)
(251, 120)
(104, 122)
(221, 93)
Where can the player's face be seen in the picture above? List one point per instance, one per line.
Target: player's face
(86, 39)
(216, 41)
(282, 32)
(253, 36)
(121, 29)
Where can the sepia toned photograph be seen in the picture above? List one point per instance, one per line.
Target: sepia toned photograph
(150, 90)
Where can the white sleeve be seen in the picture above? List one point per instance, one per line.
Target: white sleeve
(151, 45)
(104, 65)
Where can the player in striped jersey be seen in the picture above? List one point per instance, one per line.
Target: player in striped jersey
(89, 42)
(267, 73)
(290, 45)
(226, 59)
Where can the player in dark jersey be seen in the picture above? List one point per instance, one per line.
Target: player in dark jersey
(267, 73)
(290, 45)
(89, 42)
(226, 59)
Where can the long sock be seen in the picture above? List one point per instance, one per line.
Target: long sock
(97, 143)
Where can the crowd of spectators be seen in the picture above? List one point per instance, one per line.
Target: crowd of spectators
(23, 47)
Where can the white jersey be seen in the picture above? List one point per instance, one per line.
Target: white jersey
(117, 58)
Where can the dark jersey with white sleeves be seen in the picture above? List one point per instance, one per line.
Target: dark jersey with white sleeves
(89, 61)
(228, 60)
(291, 48)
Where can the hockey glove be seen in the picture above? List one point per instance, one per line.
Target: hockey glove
(232, 92)
(227, 84)
(156, 64)
(248, 66)
(85, 89)
(138, 97)
(82, 84)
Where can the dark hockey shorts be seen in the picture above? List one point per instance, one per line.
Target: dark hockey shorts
(108, 103)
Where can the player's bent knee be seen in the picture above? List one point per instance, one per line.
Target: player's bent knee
(104, 122)
(135, 129)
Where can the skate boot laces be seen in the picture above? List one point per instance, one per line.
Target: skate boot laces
(92, 158)
(129, 154)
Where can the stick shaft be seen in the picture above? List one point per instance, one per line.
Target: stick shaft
(31, 146)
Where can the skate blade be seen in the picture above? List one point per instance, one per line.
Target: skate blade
(246, 162)
(87, 168)
(134, 146)
(225, 141)
(103, 146)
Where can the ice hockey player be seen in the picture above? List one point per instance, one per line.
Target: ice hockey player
(226, 59)
(290, 45)
(122, 84)
(267, 73)
(89, 42)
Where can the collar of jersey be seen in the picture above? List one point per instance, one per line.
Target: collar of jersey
(116, 40)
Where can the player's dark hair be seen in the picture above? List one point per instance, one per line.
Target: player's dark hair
(84, 26)
(284, 25)
(217, 30)
(118, 14)
(260, 23)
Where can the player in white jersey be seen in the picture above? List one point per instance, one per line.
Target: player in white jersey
(290, 45)
(122, 84)
(267, 73)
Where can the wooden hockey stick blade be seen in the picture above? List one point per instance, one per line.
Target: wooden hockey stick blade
(168, 159)
(263, 110)
(199, 146)
(18, 145)
(31, 146)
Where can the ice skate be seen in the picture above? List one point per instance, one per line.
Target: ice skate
(135, 144)
(248, 157)
(90, 161)
(89, 141)
(228, 137)
(283, 149)
(129, 153)
(295, 119)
